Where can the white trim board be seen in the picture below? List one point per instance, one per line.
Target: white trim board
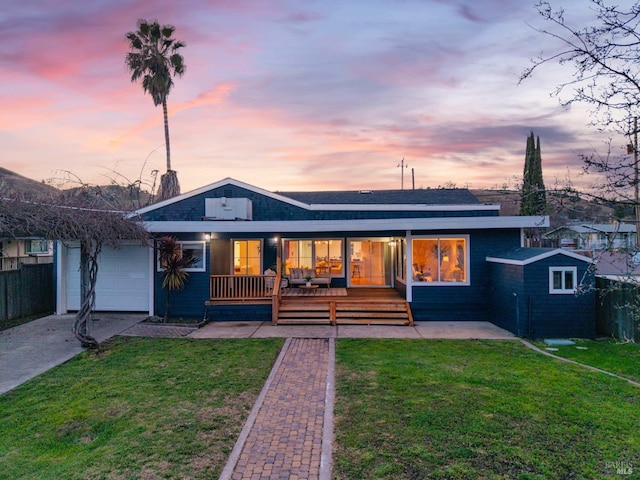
(373, 225)
(537, 258)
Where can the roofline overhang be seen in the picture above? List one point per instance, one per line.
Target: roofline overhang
(318, 226)
(542, 256)
(399, 207)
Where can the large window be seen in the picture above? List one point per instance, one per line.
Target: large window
(441, 260)
(325, 255)
(195, 250)
(563, 280)
(246, 257)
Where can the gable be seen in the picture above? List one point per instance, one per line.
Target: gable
(261, 205)
(526, 256)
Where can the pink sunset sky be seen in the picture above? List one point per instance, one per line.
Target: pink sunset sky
(289, 94)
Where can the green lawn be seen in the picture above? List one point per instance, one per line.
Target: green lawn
(405, 409)
(414, 409)
(141, 409)
(610, 355)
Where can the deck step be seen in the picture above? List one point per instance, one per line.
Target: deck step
(389, 312)
(345, 312)
(304, 321)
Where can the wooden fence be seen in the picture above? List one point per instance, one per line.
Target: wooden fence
(12, 263)
(618, 310)
(29, 290)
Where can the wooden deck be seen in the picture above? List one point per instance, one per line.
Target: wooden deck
(371, 306)
(330, 306)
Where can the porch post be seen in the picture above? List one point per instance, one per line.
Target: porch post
(279, 271)
(408, 267)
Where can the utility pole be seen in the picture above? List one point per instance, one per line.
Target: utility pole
(636, 186)
(633, 148)
(402, 167)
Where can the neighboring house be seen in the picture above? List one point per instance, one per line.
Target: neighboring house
(543, 293)
(618, 280)
(622, 265)
(29, 251)
(604, 236)
(430, 246)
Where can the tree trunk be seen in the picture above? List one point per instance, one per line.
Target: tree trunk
(166, 134)
(169, 185)
(88, 276)
(166, 307)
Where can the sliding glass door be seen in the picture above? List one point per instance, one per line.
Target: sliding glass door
(369, 263)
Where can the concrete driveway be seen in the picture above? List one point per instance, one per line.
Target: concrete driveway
(33, 348)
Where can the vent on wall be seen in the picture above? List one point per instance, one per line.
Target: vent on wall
(224, 208)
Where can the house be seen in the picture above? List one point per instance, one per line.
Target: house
(602, 236)
(427, 247)
(619, 265)
(543, 293)
(24, 251)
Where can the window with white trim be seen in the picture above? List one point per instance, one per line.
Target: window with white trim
(247, 257)
(188, 249)
(322, 254)
(440, 260)
(563, 280)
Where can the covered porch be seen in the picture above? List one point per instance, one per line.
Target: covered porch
(320, 305)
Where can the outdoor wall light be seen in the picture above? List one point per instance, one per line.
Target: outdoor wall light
(207, 236)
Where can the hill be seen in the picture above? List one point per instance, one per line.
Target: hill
(562, 209)
(110, 197)
(14, 184)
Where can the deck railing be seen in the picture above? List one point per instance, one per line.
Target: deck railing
(242, 287)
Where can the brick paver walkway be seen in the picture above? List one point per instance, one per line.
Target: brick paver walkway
(288, 435)
(158, 330)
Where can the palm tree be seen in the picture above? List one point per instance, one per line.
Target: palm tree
(154, 58)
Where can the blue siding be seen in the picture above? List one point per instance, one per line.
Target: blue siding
(535, 313)
(239, 313)
(189, 302)
(559, 315)
(467, 303)
(266, 208)
(507, 290)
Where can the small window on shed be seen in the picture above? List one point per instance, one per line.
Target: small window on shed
(563, 280)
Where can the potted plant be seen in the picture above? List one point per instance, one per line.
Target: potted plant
(308, 278)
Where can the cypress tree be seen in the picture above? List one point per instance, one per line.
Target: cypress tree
(533, 196)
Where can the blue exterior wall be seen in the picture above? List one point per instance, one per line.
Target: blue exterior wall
(461, 302)
(266, 208)
(435, 303)
(188, 302)
(559, 315)
(239, 313)
(506, 296)
(535, 313)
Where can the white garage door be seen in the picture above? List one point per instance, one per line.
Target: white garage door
(123, 279)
